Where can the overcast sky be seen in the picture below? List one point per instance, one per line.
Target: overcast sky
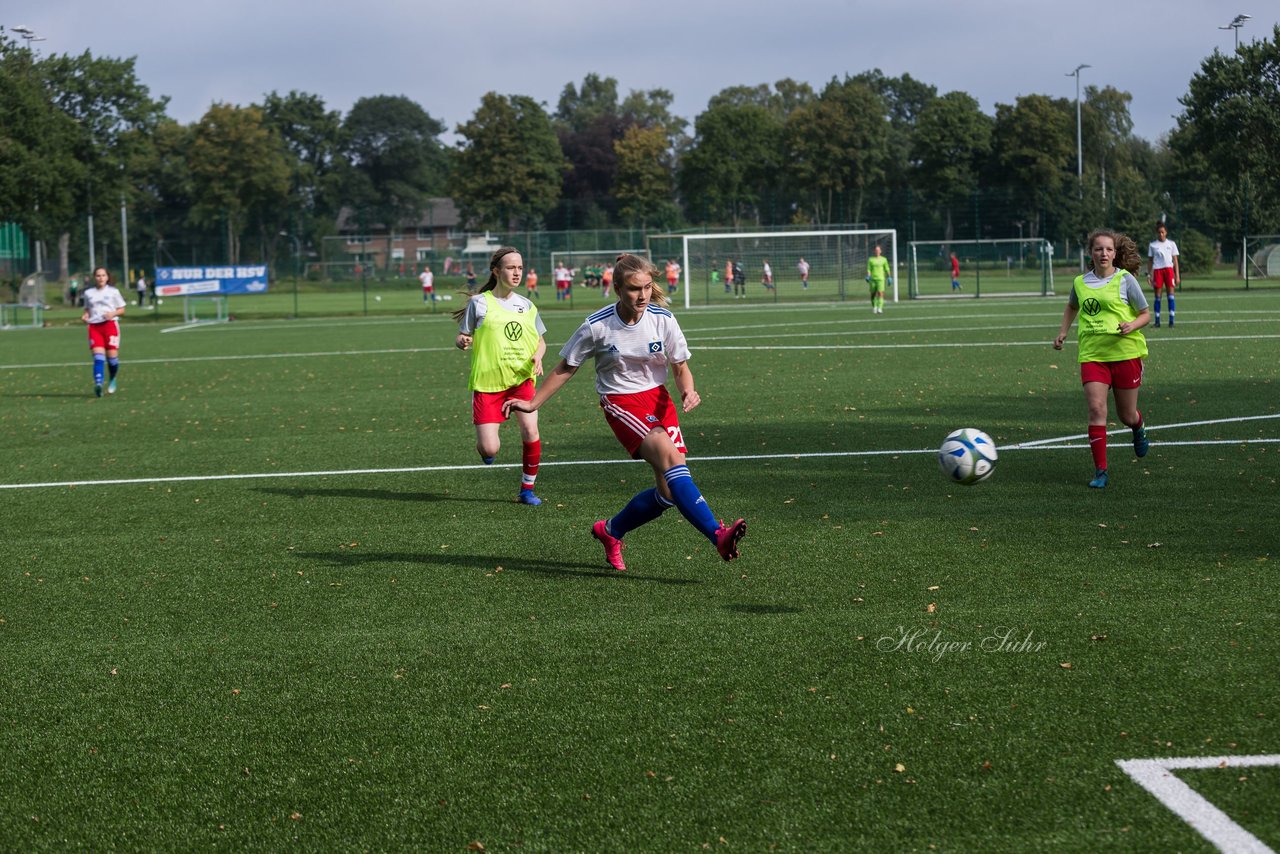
(446, 55)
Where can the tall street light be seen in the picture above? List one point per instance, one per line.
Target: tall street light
(1079, 146)
(1236, 23)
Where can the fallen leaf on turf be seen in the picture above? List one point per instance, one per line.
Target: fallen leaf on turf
(899, 768)
(294, 816)
(933, 587)
(932, 608)
(475, 846)
(1066, 665)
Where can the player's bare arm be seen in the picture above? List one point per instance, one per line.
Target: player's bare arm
(562, 373)
(463, 341)
(537, 356)
(689, 396)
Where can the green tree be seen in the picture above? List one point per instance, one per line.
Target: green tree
(950, 147)
(1230, 128)
(645, 182)
(1033, 149)
(312, 135)
(905, 99)
(836, 148)
(115, 117)
(239, 172)
(395, 161)
(734, 156)
(509, 165)
(578, 108)
(38, 167)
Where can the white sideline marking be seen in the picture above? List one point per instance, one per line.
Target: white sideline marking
(1156, 776)
(606, 462)
(1038, 442)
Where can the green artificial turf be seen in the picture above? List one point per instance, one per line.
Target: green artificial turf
(343, 634)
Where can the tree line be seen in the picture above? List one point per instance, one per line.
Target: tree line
(82, 135)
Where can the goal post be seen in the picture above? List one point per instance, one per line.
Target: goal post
(1261, 255)
(835, 265)
(1012, 266)
(210, 308)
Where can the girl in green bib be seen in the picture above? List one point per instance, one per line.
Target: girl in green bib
(504, 333)
(1112, 308)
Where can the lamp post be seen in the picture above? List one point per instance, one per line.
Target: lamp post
(1079, 146)
(1079, 142)
(1236, 23)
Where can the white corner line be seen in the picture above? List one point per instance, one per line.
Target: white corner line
(1157, 777)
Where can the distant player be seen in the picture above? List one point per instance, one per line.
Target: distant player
(102, 305)
(428, 280)
(955, 272)
(141, 288)
(634, 344)
(739, 281)
(803, 269)
(562, 278)
(531, 282)
(673, 276)
(504, 333)
(728, 275)
(1162, 268)
(766, 276)
(878, 277)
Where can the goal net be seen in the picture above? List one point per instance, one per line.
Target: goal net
(802, 265)
(205, 309)
(1261, 257)
(1004, 267)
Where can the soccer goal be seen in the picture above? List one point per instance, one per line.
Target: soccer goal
(835, 265)
(19, 316)
(205, 309)
(1004, 267)
(1261, 258)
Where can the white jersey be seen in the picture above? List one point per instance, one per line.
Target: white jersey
(100, 302)
(629, 358)
(1162, 253)
(477, 308)
(768, 271)
(563, 274)
(142, 284)
(427, 279)
(803, 267)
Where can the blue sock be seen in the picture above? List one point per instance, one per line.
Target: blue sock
(1170, 308)
(1158, 309)
(690, 502)
(488, 460)
(99, 368)
(113, 365)
(643, 508)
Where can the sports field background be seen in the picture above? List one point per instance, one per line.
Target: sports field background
(285, 605)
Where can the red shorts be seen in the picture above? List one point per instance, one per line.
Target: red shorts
(635, 416)
(1125, 374)
(1162, 278)
(105, 335)
(486, 406)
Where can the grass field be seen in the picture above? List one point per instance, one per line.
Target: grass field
(266, 597)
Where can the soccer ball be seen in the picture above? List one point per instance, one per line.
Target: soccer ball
(967, 456)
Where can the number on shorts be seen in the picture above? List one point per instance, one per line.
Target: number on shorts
(676, 438)
(113, 342)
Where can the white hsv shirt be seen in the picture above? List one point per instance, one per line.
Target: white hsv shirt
(1162, 253)
(100, 302)
(629, 358)
(427, 279)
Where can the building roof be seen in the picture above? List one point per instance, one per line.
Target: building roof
(439, 213)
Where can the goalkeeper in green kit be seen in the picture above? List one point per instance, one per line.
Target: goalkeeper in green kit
(878, 277)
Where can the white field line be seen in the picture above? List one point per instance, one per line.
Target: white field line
(1037, 445)
(1039, 442)
(693, 338)
(1156, 776)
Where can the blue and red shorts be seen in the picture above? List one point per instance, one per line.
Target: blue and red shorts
(105, 335)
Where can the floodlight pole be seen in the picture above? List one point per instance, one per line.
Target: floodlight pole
(1079, 142)
(1236, 23)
